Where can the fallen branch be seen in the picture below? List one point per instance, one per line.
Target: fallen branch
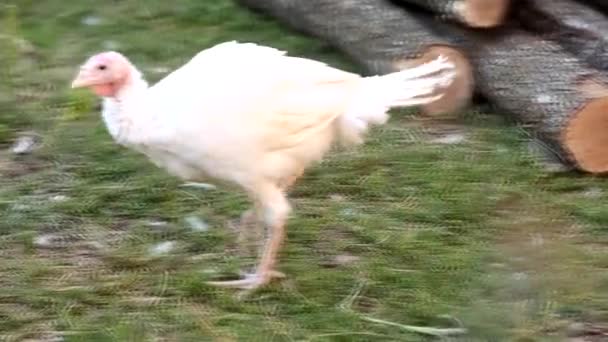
(439, 332)
(346, 305)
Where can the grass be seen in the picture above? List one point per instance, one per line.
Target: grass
(397, 240)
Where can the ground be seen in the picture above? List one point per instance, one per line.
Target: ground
(430, 228)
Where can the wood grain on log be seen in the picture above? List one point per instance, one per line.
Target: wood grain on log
(578, 28)
(379, 35)
(474, 13)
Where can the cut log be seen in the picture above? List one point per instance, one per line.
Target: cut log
(578, 28)
(473, 13)
(557, 98)
(380, 36)
(562, 101)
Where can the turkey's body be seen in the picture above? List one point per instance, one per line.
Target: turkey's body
(226, 125)
(251, 116)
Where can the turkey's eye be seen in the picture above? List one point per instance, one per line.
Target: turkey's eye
(101, 67)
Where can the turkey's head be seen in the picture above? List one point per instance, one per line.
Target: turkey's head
(104, 73)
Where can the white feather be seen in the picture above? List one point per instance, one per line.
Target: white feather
(241, 112)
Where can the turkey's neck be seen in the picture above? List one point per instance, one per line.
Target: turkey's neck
(124, 114)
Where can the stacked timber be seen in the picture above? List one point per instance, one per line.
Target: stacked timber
(548, 75)
(577, 27)
(378, 35)
(473, 13)
(557, 97)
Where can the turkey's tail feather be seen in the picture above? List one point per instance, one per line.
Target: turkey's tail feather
(378, 94)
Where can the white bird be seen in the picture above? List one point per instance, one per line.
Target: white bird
(250, 116)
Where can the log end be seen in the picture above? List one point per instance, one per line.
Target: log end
(482, 13)
(458, 95)
(586, 136)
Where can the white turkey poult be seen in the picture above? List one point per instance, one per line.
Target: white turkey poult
(249, 115)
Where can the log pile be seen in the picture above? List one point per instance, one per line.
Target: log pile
(545, 63)
(473, 13)
(579, 28)
(372, 33)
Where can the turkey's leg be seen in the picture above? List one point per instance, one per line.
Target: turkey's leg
(262, 230)
(266, 269)
(276, 210)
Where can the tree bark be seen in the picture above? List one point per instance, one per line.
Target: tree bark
(559, 99)
(578, 28)
(380, 36)
(601, 5)
(473, 13)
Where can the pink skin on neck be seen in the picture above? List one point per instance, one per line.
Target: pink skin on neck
(105, 90)
(110, 89)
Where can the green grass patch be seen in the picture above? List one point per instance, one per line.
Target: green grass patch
(404, 229)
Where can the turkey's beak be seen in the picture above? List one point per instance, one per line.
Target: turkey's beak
(83, 79)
